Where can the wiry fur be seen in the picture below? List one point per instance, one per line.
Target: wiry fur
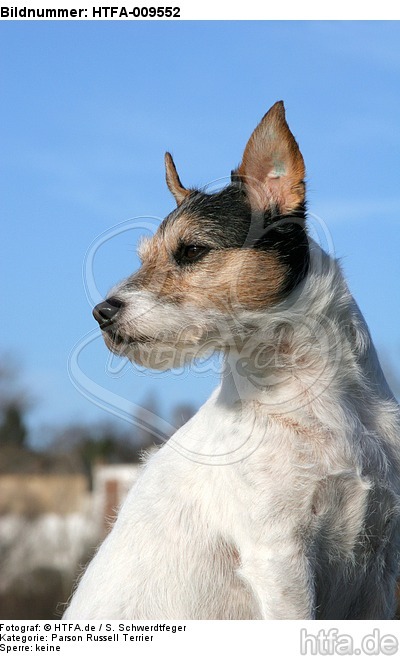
(279, 499)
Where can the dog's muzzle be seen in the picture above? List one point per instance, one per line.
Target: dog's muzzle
(105, 312)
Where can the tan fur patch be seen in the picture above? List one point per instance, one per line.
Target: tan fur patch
(228, 555)
(236, 279)
(293, 425)
(225, 279)
(311, 434)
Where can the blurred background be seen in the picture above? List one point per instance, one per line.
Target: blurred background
(88, 110)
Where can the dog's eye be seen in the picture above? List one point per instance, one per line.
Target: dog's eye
(192, 252)
(189, 253)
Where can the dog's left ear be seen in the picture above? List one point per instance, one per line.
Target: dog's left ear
(174, 184)
(272, 168)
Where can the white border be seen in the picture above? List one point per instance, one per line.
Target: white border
(215, 10)
(235, 638)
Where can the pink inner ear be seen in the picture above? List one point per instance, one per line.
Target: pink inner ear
(272, 166)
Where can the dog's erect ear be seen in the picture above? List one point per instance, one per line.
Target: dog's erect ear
(174, 184)
(272, 167)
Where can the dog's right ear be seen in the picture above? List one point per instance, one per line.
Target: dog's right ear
(272, 169)
(174, 184)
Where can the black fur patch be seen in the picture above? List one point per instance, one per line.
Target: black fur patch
(226, 220)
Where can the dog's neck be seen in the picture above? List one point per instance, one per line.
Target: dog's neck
(309, 366)
(302, 353)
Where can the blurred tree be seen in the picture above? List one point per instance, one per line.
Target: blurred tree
(14, 404)
(92, 444)
(12, 426)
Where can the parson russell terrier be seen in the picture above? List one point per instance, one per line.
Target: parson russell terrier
(280, 498)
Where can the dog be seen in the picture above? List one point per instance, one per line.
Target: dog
(279, 499)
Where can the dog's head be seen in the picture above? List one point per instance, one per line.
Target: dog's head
(219, 260)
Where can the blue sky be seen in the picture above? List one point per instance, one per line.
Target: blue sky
(88, 110)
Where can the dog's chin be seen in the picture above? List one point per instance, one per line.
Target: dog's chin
(156, 354)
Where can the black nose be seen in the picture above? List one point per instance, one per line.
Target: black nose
(105, 311)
